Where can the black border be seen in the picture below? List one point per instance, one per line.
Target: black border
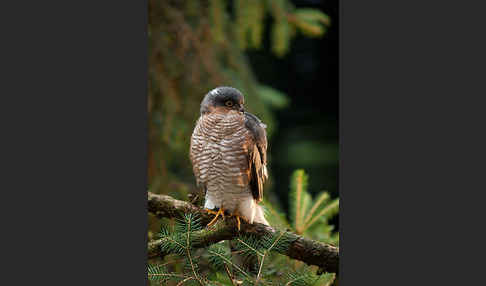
(75, 132)
(411, 112)
(74, 208)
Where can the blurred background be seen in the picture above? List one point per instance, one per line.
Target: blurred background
(283, 55)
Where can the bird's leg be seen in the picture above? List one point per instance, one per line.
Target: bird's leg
(211, 211)
(218, 213)
(239, 223)
(238, 220)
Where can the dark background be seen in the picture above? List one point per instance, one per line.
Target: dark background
(184, 65)
(307, 135)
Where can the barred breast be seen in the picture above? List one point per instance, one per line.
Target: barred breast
(219, 154)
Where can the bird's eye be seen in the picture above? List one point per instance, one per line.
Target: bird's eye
(229, 103)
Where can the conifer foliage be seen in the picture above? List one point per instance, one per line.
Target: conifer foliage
(309, 216)
(184, 264)
(197, 45)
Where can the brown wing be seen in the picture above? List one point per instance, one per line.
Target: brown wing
(257, 152)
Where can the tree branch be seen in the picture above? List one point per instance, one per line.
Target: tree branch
(307, 250)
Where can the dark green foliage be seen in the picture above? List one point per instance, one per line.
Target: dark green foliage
(218, 253)
(305, 278)
(159, 274)
(189, 223)
(195, 46)
(215, 264)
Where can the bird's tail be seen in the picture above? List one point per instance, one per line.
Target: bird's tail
(259, 215)
(252, 212)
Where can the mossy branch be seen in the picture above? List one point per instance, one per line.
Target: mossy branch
(312, 252)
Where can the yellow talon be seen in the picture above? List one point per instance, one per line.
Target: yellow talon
(238, 219)
(218, 213)
(212, 212)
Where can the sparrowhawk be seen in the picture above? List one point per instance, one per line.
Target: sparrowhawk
(229, 156)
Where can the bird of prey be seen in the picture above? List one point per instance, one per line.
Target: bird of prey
(229, 156)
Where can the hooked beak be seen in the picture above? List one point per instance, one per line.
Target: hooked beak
(242, 108)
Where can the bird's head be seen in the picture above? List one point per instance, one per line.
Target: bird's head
(223, 98)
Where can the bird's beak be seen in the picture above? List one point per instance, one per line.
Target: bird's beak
(242, 109)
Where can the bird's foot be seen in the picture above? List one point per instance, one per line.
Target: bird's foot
(211, 211)
(238, 220)
(220, 212)
(239, 223)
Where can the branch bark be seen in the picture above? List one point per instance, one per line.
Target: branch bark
(312, 252)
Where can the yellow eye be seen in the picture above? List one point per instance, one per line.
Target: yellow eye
(229, 103)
